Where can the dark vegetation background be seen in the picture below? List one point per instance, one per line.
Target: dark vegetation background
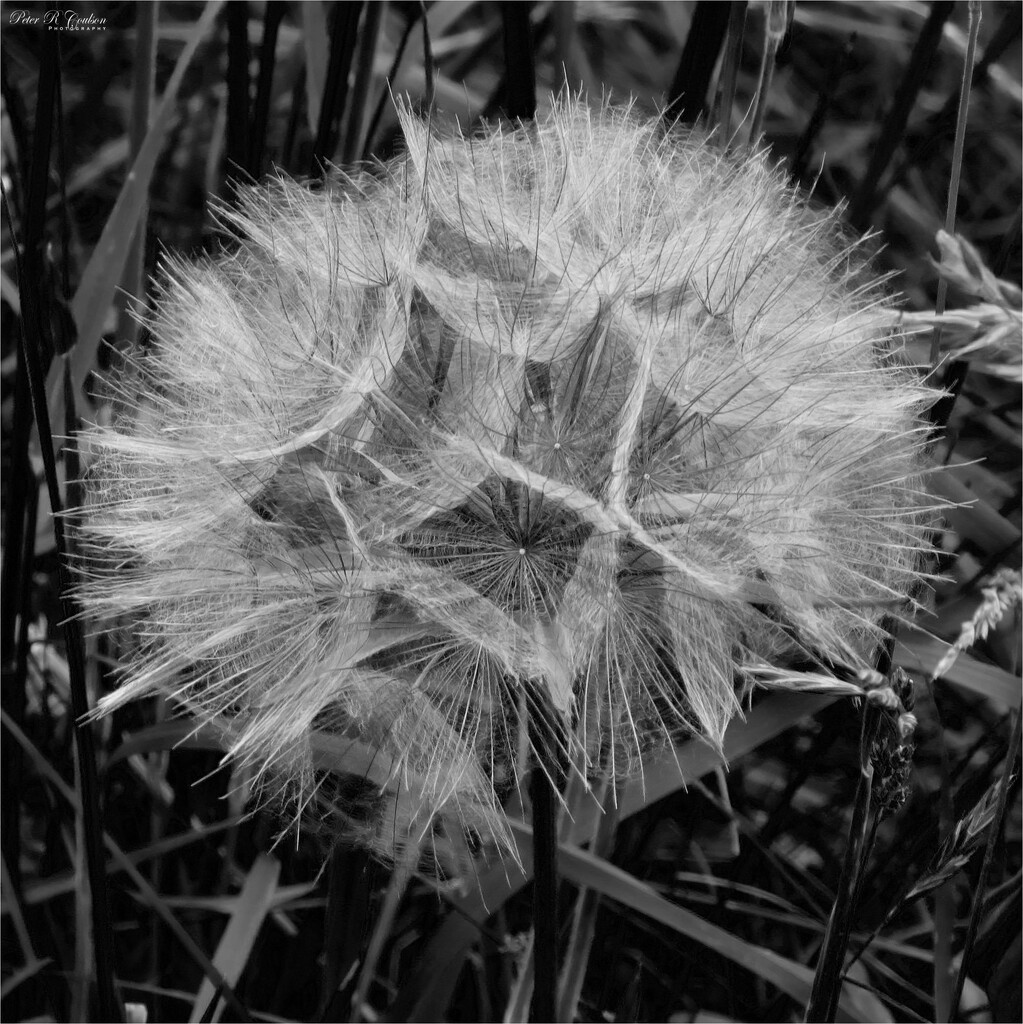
(860, 102)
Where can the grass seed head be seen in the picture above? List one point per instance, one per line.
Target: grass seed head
(580, 408)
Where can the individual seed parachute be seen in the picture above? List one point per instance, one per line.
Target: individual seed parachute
(583, 416)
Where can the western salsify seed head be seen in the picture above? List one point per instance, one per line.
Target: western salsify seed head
(582, 415)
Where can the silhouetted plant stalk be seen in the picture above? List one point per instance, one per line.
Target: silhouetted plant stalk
(582, 415)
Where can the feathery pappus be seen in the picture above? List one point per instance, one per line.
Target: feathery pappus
(583, 414)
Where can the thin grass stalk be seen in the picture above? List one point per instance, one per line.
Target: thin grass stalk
(429, 69)
(272, 17)
(19, 551)
(143, 85)
(836, 73)
(348, 894)
(238, 89)
(517, 1009)
(776, 19)
(989, 857)
(296, 113)
(158, 816)
(827, 977)
(730, 69)
(396, 888)
(894, 126)
(368, 38)
(944, 120)
(81, 979)
(21, 932)
(316, 47)
(146, 892)
(944, 896)
(335, 90)
(688, 93)
(577, 72)
(544, 798)
(21, 490)
(30, 278)
(955, 375)
(519, 67)
(385, 92)
(584, 921)
(15, 700)
(98, 285)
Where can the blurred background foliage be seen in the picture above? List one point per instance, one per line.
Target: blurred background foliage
(701, 903)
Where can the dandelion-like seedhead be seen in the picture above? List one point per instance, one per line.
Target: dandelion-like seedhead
(582, 418)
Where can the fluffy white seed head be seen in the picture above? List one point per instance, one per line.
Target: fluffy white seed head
(579, 412)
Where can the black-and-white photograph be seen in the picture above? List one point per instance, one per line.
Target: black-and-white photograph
(511, 511)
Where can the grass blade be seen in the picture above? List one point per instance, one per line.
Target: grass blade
(584, 920)
(427, 990)
(827, 977)
(989, 854)
(368, 39)
(794, 979)
(730, 69)
(335, 88)
(316, 40)
(124, 863)
(955, 375)
(144, 81)
(239, 937)
(105, 268)
(922, 654)
(272, 18)
(688, 93)
(894, 126)
(34, 343)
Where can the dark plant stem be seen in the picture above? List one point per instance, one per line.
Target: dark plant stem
(584, 922)
(288, 155)
(688, 93)
(894, 126)
(261, 108)
(31, 275)
(519, 67)
(839, 68)
(360, 90)
(143, 83)
(238, 87)
(348, 904)
(335, 88)
(19, 544)
(378, 110)
(544, 798)
(827, 980)
(994, 830)
(429, 68)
